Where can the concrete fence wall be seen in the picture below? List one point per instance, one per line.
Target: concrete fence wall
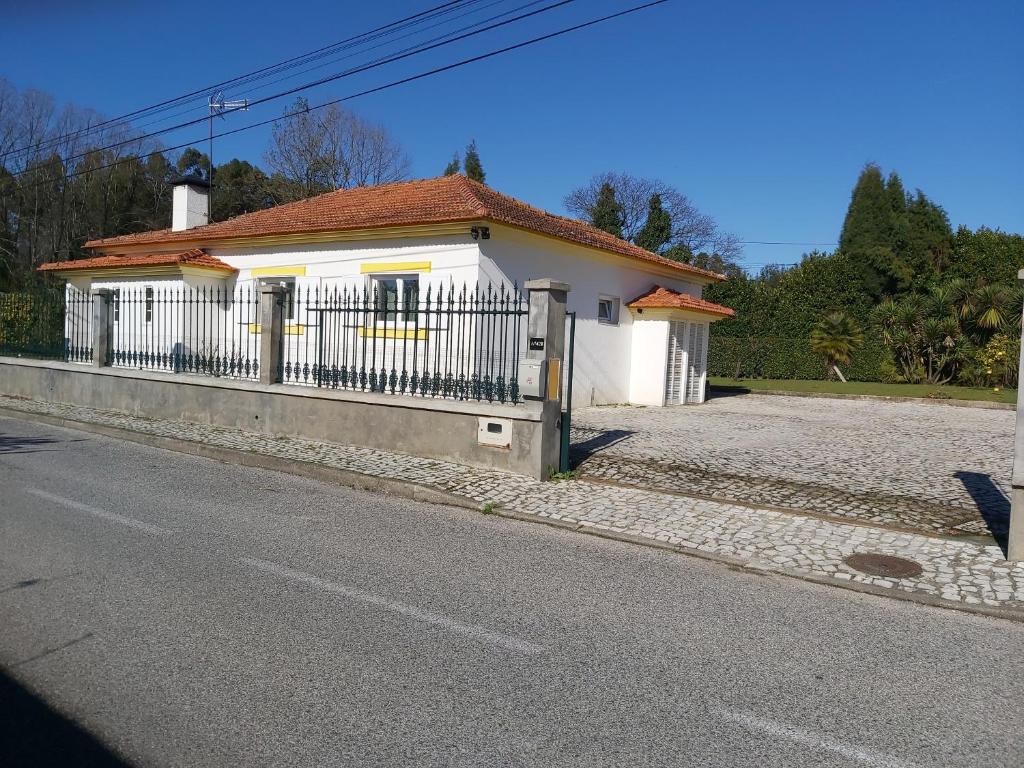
(441, 429)
(522, 438)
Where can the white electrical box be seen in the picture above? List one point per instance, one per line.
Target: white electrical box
(532, 381)
(496, 433)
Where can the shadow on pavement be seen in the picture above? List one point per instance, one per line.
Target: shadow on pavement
(25, 444)
(599, 440)
(992, 504)
(715, 393)
(32, 733)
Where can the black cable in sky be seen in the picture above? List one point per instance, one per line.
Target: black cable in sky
(350, 55)
(309, 56)
(323, 81)
(377, 89)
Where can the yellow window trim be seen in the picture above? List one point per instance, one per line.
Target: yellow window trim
(394, 266)
(296, 270)
(291, 329)
(394, 333)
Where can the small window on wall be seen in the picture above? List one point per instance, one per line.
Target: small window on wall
(397, 298)
(288, 283)
(117, 304)
(149, 305)
(608, 310)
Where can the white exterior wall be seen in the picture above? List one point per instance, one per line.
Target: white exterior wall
(603, 352)
(648, 362)
(328, 265)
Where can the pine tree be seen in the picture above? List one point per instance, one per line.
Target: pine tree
(607, 211)
(869, 215)
(453, 165)
(657, 230)
(473, 167)
(870, 232)
(929, 243)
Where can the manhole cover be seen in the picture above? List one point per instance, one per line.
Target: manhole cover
(883, 565)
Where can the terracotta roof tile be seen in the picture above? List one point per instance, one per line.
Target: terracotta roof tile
(195, 257)
(428, 201)
(665, 298)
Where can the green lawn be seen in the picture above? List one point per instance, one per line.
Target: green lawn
(868, 388)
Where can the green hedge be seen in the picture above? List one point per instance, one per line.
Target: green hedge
(32, 324)
(774, 357)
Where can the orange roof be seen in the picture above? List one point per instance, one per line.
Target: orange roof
(429, 201)
(194, 258)
(666, 298)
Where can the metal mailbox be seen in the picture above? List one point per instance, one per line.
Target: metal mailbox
(532, 378)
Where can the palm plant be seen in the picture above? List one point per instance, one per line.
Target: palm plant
(835, 338)
(993, 307)
(962, 295)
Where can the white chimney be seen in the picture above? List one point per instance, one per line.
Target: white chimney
(191, 201)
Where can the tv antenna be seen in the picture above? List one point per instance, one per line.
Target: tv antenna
(218, 106)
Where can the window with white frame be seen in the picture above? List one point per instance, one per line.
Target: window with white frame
(396, 298)
(116, 295)
(149, 304)
(608, 310)
(288, 283)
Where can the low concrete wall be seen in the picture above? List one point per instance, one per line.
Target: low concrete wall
(441, 429)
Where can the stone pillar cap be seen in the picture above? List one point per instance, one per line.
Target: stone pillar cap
(545, 284)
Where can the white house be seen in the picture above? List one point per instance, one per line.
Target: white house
(641, 330)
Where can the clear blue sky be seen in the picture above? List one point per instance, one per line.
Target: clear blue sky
(762, 112)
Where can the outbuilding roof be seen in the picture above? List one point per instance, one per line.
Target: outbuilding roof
(659, 297)
(195, 257)
(446, 199)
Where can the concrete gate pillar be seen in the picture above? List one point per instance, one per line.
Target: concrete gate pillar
(271, 332)
(546, 342)
(100, 326)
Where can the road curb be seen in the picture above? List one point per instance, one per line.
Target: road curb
(765, 569)
(985, 404)
(401, 488)
(428, 494)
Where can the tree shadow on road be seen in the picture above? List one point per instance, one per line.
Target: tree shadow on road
(992, 504)
(32, 733)
(27, 444)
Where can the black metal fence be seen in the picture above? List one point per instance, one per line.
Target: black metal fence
(212, 331)
(52, 323)
(447, 342)
(387, 337)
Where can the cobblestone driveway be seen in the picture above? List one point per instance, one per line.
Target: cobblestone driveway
(925, 467)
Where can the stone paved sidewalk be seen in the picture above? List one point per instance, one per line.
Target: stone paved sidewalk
(960, 573)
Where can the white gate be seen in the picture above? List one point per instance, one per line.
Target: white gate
(697, 362)
(675, 363)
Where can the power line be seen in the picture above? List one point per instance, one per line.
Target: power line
(324, 80)
(350, 55)
(377, 89)
(246, 77)
(782, 242)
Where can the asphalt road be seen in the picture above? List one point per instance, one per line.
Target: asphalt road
(160, 609)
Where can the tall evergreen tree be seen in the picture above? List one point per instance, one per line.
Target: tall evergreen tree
(869, 215)
(657, 229)
(871, 231)
(453, 165)
(473, 167)
(607, 211)
(929, 243)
